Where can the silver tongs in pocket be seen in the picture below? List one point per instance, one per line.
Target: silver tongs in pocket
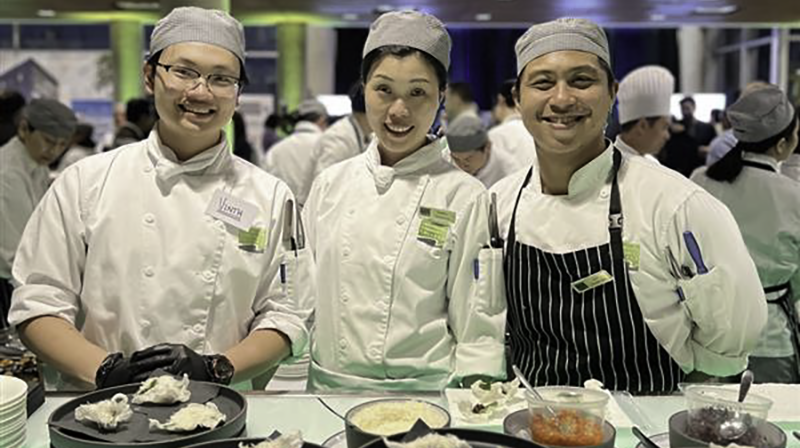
(288, 226)
(494, 229)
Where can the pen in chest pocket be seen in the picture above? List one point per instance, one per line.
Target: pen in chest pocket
(288, 226)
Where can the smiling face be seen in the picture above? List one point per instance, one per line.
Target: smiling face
(402, 97)
(192, 116)
(565, 101)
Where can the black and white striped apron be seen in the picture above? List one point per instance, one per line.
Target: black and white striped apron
(784, 301)
(561, 337)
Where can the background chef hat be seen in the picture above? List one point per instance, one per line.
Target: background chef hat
(193, 24)
(645, 92)
(466, 133)
(413, 29)
(561, 34)
(760, 114)
(312, 106)
(50, 117)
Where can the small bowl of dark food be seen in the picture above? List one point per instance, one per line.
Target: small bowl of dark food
(386, 417)
(714, 415)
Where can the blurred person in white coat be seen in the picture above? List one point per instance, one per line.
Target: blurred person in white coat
(408, 298)
(168, 253)
(509, 137)
(291, 159)
(346, 138)
(470, 149)
(766, 205)
(644, 116)
(617, 269)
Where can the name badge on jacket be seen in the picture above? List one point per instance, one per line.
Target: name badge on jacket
(231, 210)
(435, 226)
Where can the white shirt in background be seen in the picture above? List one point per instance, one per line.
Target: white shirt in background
(720, 321)
(393, 312)
(343, 140)
(291, 159)
(121, 246)
(766, 206)
(23, 182)
(511, 139)
(791, 166)
(631, 151)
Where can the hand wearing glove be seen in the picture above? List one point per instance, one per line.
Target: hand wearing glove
(116, 370)
(178, 359)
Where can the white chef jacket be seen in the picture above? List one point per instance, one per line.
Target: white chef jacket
(720, 321)
(791, 166)
(766, 206)
(72, 155)
(291, 159)
(512, 139)
(631, 151)
(392, 311)
(122, 247)
(343, 140)
(23, 182)
(496, 168)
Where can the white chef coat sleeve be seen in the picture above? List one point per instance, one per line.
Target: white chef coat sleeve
(329, 150)
(477, 310)
(52, 253)
(285, 300)
(726, 306)
(15, 208)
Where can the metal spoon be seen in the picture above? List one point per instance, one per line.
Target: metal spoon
(533, 392)
(643, 438)
(736, 427)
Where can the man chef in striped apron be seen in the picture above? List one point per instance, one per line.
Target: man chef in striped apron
(616, 269)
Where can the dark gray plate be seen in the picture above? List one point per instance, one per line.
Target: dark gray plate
(234, 443)
(517, 424)
(65, 432)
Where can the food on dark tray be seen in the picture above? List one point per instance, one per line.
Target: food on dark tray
(163, 389)
(567, 428)
(705, 423)
(191, 417)
(392, 417)
(106, 414)
(431, 440)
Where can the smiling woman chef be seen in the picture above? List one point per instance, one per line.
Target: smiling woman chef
(591, 295)
(406, 296)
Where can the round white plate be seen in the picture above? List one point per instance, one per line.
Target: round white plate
(338, 440)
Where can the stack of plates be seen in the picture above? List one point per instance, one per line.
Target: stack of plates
(13, 415)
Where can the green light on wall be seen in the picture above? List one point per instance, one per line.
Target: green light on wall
(279, 18)
(110, 16)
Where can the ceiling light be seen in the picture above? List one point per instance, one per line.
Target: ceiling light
(137, 6)
(483, 17)
(350, 16)
(46, 13)
(716, 10)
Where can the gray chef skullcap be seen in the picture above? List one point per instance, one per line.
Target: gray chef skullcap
(311, 107)
(466, 133)
(193, 24)
(413, 29)
(644, 93)
(50, 117)
(760, 114)
(559, 35)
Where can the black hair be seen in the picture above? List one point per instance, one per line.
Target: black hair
(243, 79)
(312, 117)
(83, 135)
(356, 94)
(610, 80)
(462, 90)
(11, 102)
(507, 92)
(137, 108)
(401, 51)
(688, 99)
(625, 127)
(728, 168)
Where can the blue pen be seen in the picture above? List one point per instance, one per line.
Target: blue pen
(694, 252)
(476, 268)
(283, 273)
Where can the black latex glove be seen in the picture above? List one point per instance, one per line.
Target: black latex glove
(176, 359)
(117, 370)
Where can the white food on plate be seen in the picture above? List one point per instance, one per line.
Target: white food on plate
(489, 403)
(106, 414)
(164, 389)
(431, 441)
(386, 418)
(190, 417)
(291, 440)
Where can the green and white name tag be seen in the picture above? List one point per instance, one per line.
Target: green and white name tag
(593, 281)
(435, 226)
(631, 252)
(253, 240)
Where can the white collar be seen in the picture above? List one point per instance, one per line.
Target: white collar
(413, 163)
(761, 158)
(589, 177)
(168, 168)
